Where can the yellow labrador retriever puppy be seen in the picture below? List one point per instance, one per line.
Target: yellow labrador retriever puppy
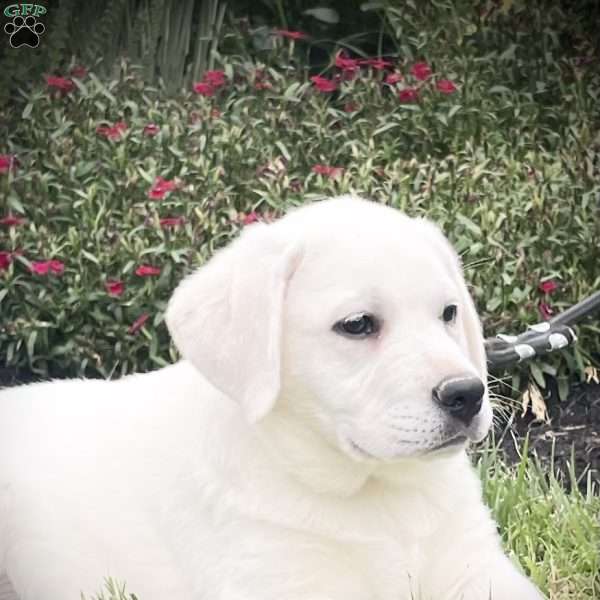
(309, 446)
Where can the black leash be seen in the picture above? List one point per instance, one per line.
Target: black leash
(506, 350)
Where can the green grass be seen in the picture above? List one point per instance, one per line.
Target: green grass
(554, 534)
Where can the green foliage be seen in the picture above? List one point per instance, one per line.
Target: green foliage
(511, 176)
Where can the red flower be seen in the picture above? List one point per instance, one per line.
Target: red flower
(114, 288)
(421, 71)
(151, 129)
(249, 218)
(350, 107)
(545, 310)
(147, 271)
(327, 171)
(215, 78)
(161, 187)
(377, 63)
(78, 71)
(408, 95)
(8, 162)
(112, 132)
(445, 86)
(12, 221)
(171, 221)
(345, 63)
(323, 84)
(138, 323)
(548, 287)
(291, 35)
(43, 267)
(393, 78)
(5, 260)
(262, 85)
(204, 89)
(60, 83)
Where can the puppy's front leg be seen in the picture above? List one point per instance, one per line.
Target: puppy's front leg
(501, 580)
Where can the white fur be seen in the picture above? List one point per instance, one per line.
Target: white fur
(279, 460)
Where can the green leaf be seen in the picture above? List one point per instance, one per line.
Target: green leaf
(538, 375)
(324, 14)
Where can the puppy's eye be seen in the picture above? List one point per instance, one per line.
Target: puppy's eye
(449, 314)
(357, 325)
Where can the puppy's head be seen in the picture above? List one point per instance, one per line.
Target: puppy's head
(350, 315)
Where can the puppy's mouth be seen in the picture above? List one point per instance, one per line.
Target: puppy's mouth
(459, 440)
(448, 445)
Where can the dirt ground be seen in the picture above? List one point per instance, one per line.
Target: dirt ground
(574, 427)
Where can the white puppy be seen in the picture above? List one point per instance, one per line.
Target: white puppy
(310, 446)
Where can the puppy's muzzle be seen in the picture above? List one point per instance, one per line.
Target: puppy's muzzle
(460, 397)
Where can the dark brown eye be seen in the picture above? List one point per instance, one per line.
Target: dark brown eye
(357, 325)
(449, 314)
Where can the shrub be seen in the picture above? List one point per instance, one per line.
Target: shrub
(507, 169)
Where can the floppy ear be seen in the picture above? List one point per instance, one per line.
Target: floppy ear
(226, 318)
(471, 323)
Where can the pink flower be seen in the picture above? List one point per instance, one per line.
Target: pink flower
(323, 84)
(408, 95)
(171, 221)
(5, 260)
(12, 221)
(112, 132)
(63, 84)
(379, 64)
(327, 171)
(421, 71)
(147, 271)
(215, 78)
(204, 89)
(57, 267)
(8, 162)
(114, 287)
(393, 78)
(151, 129)
(345, 63)
(79, 71)
(545, 310)
(44, 267)
(548, 287)
(161, 187)
(445, 86)
(291, 35)
(138, 323)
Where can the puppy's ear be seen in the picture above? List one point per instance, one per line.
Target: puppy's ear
(226, 318)
(471, 323)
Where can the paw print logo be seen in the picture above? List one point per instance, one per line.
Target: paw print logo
(24, 31)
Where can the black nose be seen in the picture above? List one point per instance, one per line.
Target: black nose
(460, 396)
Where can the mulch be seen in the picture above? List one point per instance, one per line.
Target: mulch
(573, 431)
